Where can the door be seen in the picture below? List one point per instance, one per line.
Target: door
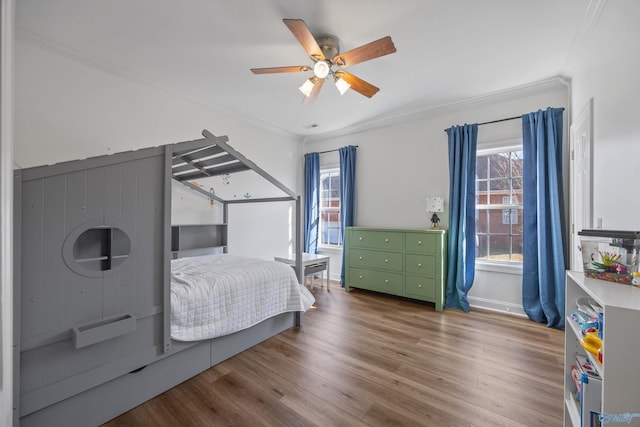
(581, 185)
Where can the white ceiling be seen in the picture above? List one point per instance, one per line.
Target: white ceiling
(447, 50)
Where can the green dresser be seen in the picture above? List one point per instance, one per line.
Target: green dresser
(407, 263)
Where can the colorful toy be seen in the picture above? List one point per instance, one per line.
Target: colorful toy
(593, 344)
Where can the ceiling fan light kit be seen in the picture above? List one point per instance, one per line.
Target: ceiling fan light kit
(341, 84)
(321, 69)
(306, 87)
(324, 51)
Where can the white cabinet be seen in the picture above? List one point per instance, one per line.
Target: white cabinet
(620, 400)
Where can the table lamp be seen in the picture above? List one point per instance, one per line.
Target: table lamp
(435, 204)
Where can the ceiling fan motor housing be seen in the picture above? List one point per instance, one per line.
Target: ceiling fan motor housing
(329, 46)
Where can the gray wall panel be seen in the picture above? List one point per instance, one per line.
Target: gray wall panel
(129, 208)
(126, 289)
(53, 266)
(113, 195)
(111, 295)
(149, 234)
(31, 259)
(31, 371)
(56, 298)
(95, 206)
(92, 292)
(74, 300)
(56, 367)
(92, 356)
(75, 197)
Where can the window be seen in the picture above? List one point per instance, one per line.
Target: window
(499, 205)
(330, 207)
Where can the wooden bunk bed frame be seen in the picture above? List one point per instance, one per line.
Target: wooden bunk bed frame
(92, 330)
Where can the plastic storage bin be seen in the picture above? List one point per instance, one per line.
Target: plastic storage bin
(610, 255)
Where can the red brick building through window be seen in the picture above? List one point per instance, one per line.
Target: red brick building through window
(499, 206)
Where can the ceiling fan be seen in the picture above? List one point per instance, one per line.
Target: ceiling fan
(324, 51)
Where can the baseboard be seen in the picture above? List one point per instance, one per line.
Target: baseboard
(498, 306)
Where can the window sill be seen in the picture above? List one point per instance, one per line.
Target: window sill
(497, 267)
(330, 249)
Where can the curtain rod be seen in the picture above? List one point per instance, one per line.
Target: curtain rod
(498, 121)
(331, 151)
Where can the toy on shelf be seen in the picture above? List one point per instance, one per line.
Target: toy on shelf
(593, 344)
(610, 255)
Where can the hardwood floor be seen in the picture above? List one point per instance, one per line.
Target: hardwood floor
(364, 359)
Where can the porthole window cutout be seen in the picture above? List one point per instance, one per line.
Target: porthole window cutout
(97, 251)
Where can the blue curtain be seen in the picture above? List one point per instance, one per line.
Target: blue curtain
(543, 267)
(311, 202)
(462, 215)
(347, 193)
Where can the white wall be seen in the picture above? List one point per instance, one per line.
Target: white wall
(69, 107)
(6, 213)
(605, 67)
(399, 164)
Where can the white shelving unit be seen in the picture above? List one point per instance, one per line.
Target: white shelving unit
(621, 343)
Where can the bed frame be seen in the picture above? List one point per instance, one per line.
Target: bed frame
(92, 281)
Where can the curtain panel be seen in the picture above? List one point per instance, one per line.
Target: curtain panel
(461, 251)
(311, 202)
(543, 267)
(347, 194)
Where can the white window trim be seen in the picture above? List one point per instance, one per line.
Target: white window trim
(483, 149)
(322, 246)
(512, 267)
(499, 146)
(330, 249)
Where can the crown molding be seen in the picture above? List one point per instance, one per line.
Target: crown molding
(52, 47)
(591, 16)
(558, 82)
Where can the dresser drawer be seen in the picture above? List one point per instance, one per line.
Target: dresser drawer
(421, 243)
(379, 281)
(375, 259)
(383, 240)
(424, 265)
(420, 287)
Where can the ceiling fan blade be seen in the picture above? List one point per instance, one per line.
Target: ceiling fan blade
(293, 69)
(314, 92)
(304, 36)
(375, 49)
(357, 84)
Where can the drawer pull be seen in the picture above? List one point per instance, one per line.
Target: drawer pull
(361, 277)
(419, 242)
(386, 280)
(361, 238)
(419, 286)
(386, 240)
(419, 265)
(360, 258)
(386, 260)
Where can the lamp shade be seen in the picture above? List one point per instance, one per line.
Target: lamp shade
(321, 69)
(435, 204)
(307, 87)
(342, 85)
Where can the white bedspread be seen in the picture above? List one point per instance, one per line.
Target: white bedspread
(216, 295)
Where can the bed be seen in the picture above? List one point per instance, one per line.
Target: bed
(217, 295)
(94, 252)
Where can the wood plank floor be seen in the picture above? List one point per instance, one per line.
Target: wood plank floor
(364, 359)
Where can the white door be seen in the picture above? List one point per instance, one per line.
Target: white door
(581, 185)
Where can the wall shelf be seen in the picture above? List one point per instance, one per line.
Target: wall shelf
(198, 239)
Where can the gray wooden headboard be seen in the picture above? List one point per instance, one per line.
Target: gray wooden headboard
(198, 239)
